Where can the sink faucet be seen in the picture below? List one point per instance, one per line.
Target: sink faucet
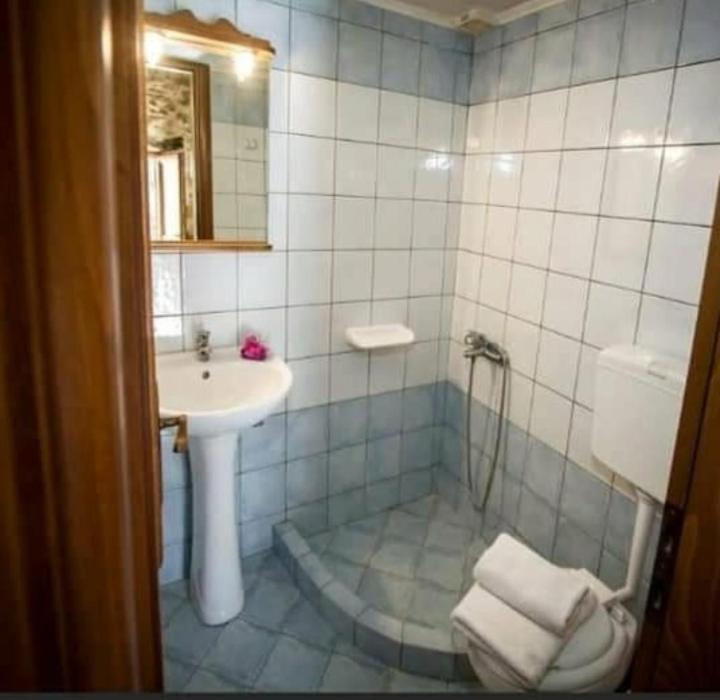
(202, 346)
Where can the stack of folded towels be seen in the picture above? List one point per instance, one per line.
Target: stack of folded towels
(522, 610)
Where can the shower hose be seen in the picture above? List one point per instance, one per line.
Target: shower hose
(503, 360)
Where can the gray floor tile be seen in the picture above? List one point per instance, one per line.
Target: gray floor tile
(396, 557)
(319, 543)
(179, 588)
(445, 536)
(401, 682)
(187, 639)
(306, 624)
(293, 666)
(176, 675)
(431, 606)
(386, 593)
(352, 544)
(169, 605)
(269, 602)
(373, 524)
(205, 682)
(344, 571)
(423, 507)
(406, 526)
(441, 568)
(275, 570)
(240, 652)
(344, 675)
(344, 647)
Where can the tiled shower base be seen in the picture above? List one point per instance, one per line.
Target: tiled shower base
(388, 582)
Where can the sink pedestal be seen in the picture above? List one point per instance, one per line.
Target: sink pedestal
(216, 578)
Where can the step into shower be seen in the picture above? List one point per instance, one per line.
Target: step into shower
(388, 582)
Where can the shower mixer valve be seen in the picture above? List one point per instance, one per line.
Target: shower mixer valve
(478, 345)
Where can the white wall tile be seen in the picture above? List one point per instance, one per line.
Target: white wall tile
(398, 119)
(349, 376)
(424, 317)
(387, 370)
(573, 243)
(676, 264)
(279, 102)
(667, 326)
(268, 324)
(696, 105)
(546, 120)
(611, 316)
(167, 291)
(472, 227)
(631, 182)
(467, 275)
(421, 363)
(396, 172)
(621, 252)
(432, 175)
(352, 275)
(393, 223)
(505, 179)
(223, 328)
(309, 276)
(527, 292)
(585, 389)
(311, 165)
(477, 179)
(346, 316)
(532, 238)
(429, 224)
(641, 109)
(357, 112)
(312, 105)
(354, 222)
(581, 176)
(200, 268)
(310, 222)
(426, 272)
(391, 274)
(564, 309)
(262, 280)
(588, 115)
(521, 343)
(500, 232)
(550, 418)
(355, 168)
(311, 382)
(481, 128)
(539, 180)
(308, 331)
(434, 125)
(495, 283)
(557, 362)
(510, 125)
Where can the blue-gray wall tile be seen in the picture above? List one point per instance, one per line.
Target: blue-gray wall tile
(544, 471)
(593, 7)
(400, 64)
(320, 7)
(516, 68)
(270, 21)
(313, 44)
(464, 42)
(307, 432)
(306, 480)
(263, 445)
(383, 458)
(176, 516)
(382, 495)
(585, 500)
(652, 32)
(385, 414)
(310, 518)
(612, 570)
(414, 485)
(520, 28)
(488, 39)
(701, 31)
(416, 449)
(515, 450)
(620, 523)
(361, 13)
(437, 73)
(348, 422)
(463, 75)
(536, 522)
(511, 489)
(346, 469)
(346, 507)
(442, 37)
(256, 535)
(597, 47)
(418, 403)
(359, 55)
(554, 16)
(262, 492)
(554, 58)
(573, 548)
(402, 25)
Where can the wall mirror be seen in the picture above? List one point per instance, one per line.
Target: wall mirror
(206, 105)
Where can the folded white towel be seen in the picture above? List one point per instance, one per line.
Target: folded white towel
(510, 640)
(550, 596)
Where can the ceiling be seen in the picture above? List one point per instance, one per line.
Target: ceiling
(450, 12)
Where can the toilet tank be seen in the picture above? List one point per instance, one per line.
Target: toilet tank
(638, 396)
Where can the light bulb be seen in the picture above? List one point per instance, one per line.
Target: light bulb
(154, 48)
(243, 63)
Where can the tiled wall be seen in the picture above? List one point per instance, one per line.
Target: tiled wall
(593, 157)
(367, 132)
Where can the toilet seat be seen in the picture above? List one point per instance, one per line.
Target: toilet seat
(595, 659)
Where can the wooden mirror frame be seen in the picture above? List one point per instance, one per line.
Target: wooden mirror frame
(223, 37)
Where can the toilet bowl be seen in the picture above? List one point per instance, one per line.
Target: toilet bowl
(595, 659)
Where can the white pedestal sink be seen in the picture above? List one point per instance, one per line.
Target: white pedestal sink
(219, 398)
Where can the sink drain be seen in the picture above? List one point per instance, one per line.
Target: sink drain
(206, 375)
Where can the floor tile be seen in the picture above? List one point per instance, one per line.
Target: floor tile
(319, 543)
(431, 606)
(441, 568)
(186, 638)
(175, 675)
(308, 625)
(269, 602)
(386, 593)
(396, 557)
(169, 605)
(343, 675)
(423, 507)
(205, 682)
(373, 524)
(401, 682)
(293, 666)
(406, 526)
(240, 652)
(354, 545)
(179, 588)
(344, 571)
(275, 570)
(344, 647)
(445, 536)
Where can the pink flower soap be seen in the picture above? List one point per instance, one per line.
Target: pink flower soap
(254, 349)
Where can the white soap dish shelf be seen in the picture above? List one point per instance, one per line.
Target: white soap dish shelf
(381, 336)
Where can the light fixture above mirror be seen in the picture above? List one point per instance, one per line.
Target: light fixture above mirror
(207, 100)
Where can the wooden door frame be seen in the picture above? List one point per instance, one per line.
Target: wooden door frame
(78, 463)
(679, 647)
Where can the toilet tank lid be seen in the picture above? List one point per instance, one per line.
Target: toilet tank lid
(664, 371)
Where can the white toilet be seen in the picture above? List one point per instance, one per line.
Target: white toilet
(638, 396)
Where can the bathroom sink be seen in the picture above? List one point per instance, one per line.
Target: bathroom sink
(220, 398)
(223, 395)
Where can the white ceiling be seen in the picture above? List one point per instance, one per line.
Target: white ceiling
(450, 12)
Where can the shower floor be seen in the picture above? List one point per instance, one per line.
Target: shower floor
(388, 582)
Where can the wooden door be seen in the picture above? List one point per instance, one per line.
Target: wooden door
(680, 645)
(78, 473)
